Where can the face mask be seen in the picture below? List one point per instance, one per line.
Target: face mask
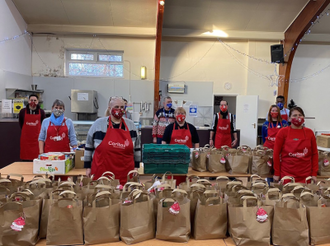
(297, 121)
(32, 104)
(117, 113)
(169, 105)
(180, 118)
(274, 114)
(223, 108)
(57, 112)
(280, 105)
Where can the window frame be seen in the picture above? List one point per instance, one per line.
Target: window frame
(95, 53)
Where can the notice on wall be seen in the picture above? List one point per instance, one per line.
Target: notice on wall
(17, 106)
(82, 96)
(193, 110)
(7, 106)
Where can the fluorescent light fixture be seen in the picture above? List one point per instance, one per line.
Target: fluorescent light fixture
(216, 33)
(143, 72)
(162, 3)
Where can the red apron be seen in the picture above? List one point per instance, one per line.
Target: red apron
(29, 136)
(284, 116)
(115, 153)
(223, 133)
(181, 136)
(271, 135)
(57, 138)
(296, 158)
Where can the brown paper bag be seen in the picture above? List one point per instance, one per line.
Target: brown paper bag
(272, 196)
(260, 164)
(210, 218)
(324, 167)
(199, 159)
(221, 183)
(216, 162)
(137, 218)
(244, 227)
(318, 220)
(174, 227)
(133, 176)
(290, 226)
(101, 220)
(239, 162)
(190, 180)
(65, 226)
(10, 211)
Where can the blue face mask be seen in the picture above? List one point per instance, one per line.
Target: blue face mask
(169, 105)
(280, 105)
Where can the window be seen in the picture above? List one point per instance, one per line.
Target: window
(94, 63)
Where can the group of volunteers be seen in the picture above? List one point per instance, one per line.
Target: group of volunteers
(295, 150)
(113, 144)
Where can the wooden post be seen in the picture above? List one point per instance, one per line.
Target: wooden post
(292, 38)
(160, 17)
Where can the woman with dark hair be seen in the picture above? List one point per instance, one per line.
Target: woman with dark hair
(295, 150)
(272, 126)
(57, 133)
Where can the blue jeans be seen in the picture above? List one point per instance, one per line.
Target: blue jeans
(159, 140)
(270, 180)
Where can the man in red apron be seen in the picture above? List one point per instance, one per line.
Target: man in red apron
(223, 128)
(115, 153)
(181, 132)
(30, 119)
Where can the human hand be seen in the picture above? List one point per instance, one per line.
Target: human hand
(315, 179)
(154, 140)
(233, 144)
(276, 178)
(211, 142)
(88, 172)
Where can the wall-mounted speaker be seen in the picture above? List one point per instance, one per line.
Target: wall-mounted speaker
(276, 52)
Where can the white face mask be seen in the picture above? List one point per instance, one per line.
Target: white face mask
(57, 112)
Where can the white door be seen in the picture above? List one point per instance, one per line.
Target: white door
(247, 119)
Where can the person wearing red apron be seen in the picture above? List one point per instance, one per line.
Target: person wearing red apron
(272, 126)
(181, 132)
(295, 150)
(223, 129)
(57, 138)
(57, 132)
(29, 136)
(30, 119)
(115, 152)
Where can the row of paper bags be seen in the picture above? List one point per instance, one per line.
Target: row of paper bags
(99, 213)
(242, 160)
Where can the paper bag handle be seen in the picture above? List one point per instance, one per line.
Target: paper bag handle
(287, 178)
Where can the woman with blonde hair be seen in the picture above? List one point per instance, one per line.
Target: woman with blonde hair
(272, 126)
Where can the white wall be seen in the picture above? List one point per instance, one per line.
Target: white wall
(199, 60)
(312, 94)
(51, 49)
(15, 58)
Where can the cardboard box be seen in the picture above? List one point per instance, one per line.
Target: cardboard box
(52, 166)
(79, 159)
(323, 141)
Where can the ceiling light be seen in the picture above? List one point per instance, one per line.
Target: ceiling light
(162, 3)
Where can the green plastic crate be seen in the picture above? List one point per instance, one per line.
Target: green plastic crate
(165, 154)
(163, 168)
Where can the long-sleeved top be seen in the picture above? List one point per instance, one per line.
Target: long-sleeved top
(162, 119)
(69, 124)
(97, 133)
(264, 132)
(281, 138)
(21, 114)
(169, 129)
(224, 116)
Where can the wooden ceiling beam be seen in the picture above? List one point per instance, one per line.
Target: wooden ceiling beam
(159, 29)
(292, 38)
